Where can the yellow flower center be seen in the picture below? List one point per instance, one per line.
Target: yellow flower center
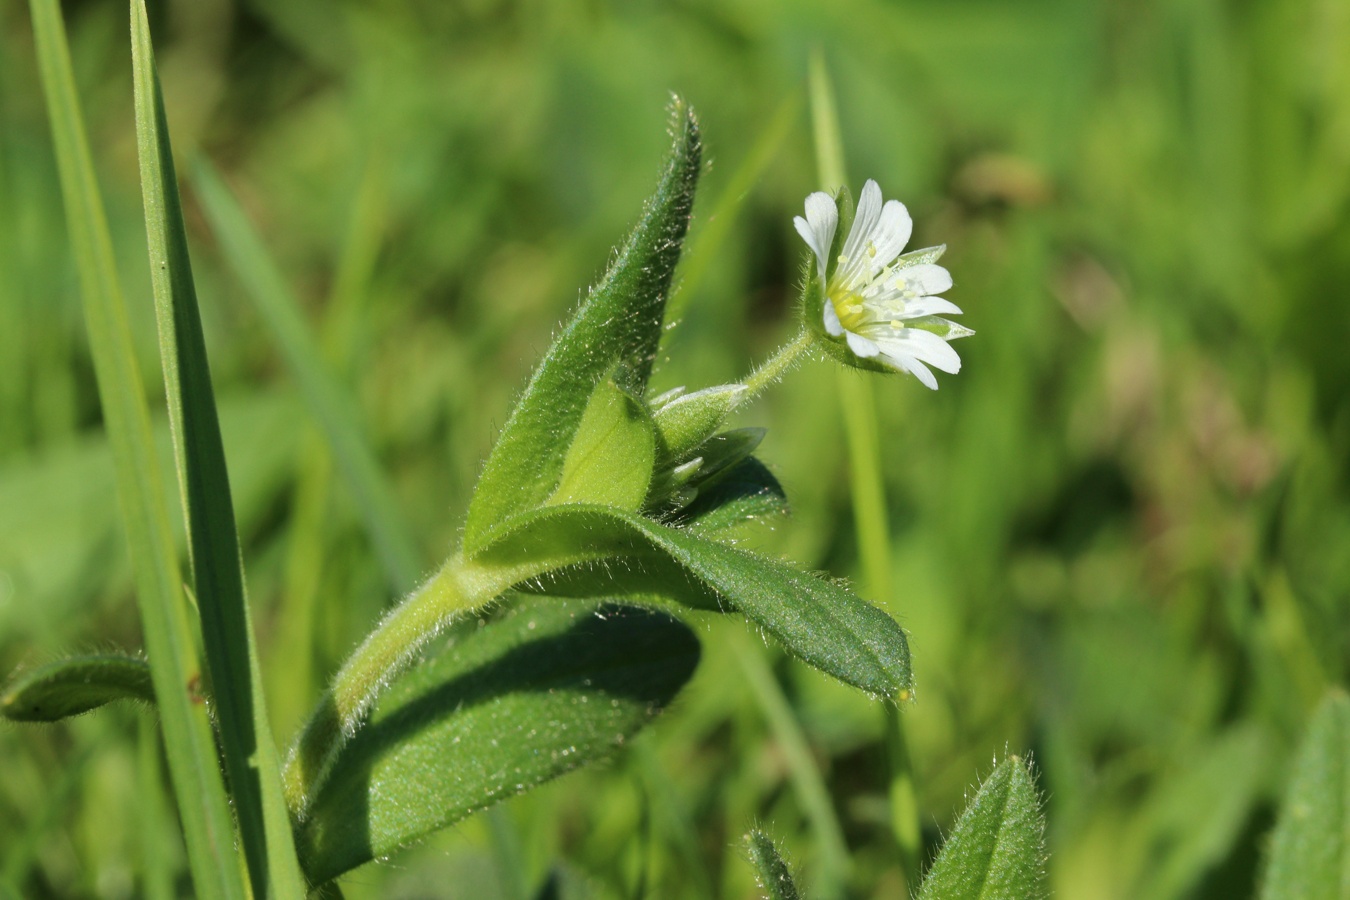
(848, 306)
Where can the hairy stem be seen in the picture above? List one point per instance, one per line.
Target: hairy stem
(778, 365)
(459, 587)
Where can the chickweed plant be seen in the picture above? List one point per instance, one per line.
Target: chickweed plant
(556, 630)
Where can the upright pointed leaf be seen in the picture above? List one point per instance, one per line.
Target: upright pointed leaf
(817, 620)
(513, 704)
(997, 851)
(227, 635)
(198, 782)
(619, 323)
(69, 687)
(1310, 857)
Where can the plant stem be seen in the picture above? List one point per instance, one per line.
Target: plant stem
(777, 365)
(868, 490)
(458, 587)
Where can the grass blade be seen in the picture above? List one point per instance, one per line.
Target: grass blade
(227, 635)
(198, 782)
(335, 410)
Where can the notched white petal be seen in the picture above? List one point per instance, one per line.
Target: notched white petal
(833, 327)
(864, 221)
(862, 346)
(891, 234)
(925, 278)
(928, 347)
(931, 306)
(817, 229)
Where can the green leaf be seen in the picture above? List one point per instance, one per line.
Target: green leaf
(611, 457)
(619, 323)
(509, 706)
(817, 620)
(235, 681)
(73, 686)
(772, 871)
(1310, 857)
(997, 851)
(165, 618)
(333, 407)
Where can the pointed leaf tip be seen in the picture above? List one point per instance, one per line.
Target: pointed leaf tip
(997, 850)
(614, 332)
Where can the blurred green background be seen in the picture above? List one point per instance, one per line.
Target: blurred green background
(1121, 536)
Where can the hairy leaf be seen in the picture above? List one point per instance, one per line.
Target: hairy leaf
(619, 323)
(553, 686)
(1310, 858)
(817, 620)
(69, 687)
(747, 492)
(997, 851)
(772, 871)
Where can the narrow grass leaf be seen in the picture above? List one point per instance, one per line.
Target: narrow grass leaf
(227, 634)
(502, 709)
(1310, 857)
(619, 323)
(997, 851)
(73, 686)
(770, 868)
(330, 403)
(170, 644)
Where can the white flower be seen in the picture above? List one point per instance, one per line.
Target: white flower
(883, 304)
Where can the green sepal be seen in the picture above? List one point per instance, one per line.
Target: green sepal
(674, 489)
(943, 328)
(686, 421)
(1310, 853)
(618, 324)
(923, 256)
(997, 850)
(611, 457)
(505, 707)
(73, 686)
(592, 549)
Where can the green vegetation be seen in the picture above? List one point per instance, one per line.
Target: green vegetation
(1117, 540)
